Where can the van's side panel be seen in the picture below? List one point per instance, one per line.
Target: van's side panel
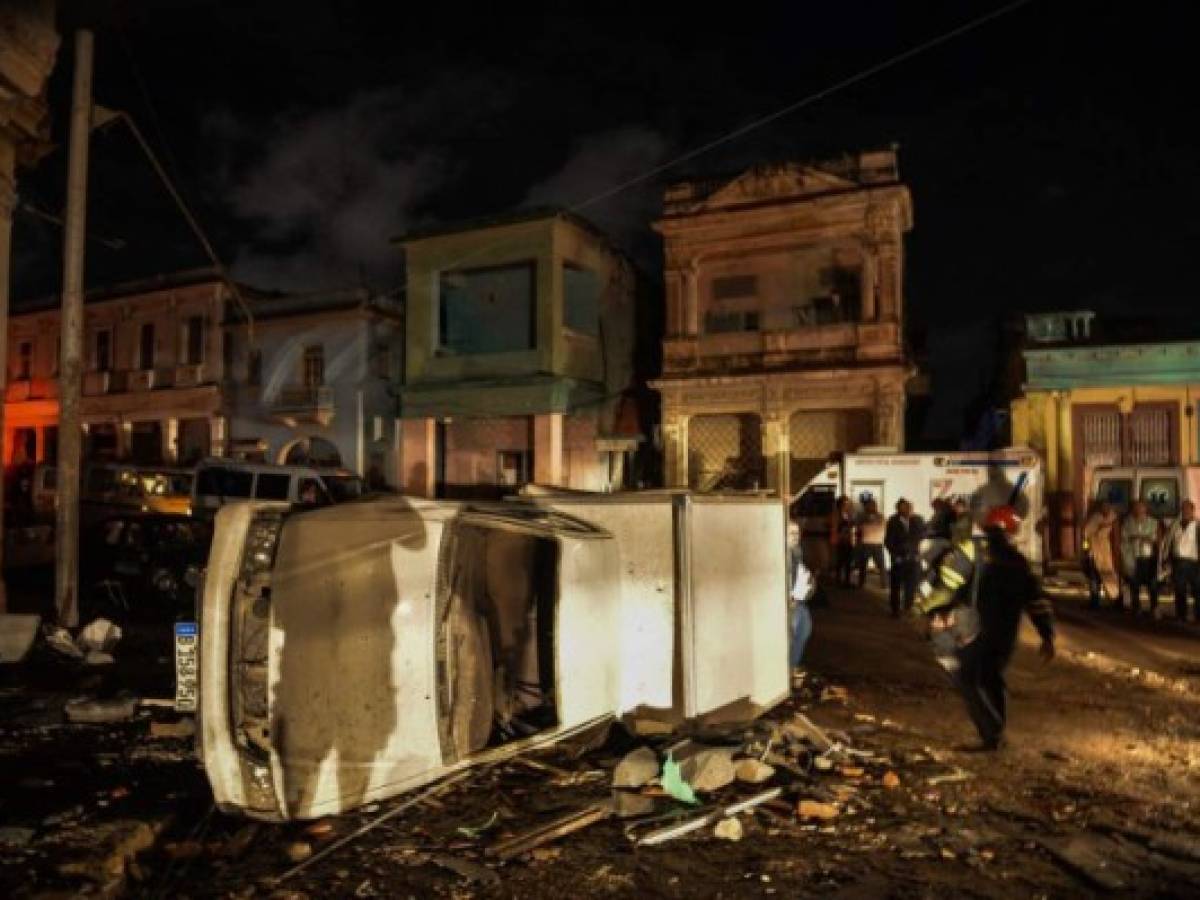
(353, 700)
(737, 603)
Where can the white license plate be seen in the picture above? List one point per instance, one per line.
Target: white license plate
(187, 659)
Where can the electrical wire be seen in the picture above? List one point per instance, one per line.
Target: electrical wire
(761, 122)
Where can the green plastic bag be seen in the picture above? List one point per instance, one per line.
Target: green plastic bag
(674, 784)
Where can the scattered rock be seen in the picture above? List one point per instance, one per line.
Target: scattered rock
(184, 728)
(16, 837)
(98, 658)
(708, 770)
(98, 712)
(321, 829)
(852, 771)
(636, 769)
(751, 771)
(545, 854)
(99, 635)
(812, 809)
(822, 764)
(629, 804)
(729, 829)
(891, 781)
(115, 844)
(298, 851)
(59, 640)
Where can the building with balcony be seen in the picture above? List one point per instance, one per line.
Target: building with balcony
(1105, 392)
(176, 369)
(784, 320)
(152, 359)
(519, 348)
(313, 380)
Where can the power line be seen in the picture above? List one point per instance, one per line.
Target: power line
(783, 111)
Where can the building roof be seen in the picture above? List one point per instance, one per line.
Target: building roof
(161, 282)
(480, 223)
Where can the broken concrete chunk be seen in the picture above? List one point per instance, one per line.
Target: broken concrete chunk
(708, 770)
(636, 769)
(891, 781)
(59, 640)
(812, 809)
(298, 851)
(184, 728)
(99, 634)
(729, 829)
(751, 771)
(628, 804)
(802, 727)
(92, 711)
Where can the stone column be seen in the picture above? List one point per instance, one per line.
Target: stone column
(889, 418)
(219, 435)
(775, 452)
(673, 285)
(170, 435)
(418, 454)
(548, 448)
(869, 284)
(691, 302)
(889, 282)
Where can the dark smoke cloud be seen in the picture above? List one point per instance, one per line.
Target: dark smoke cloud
(597, 164)
(330, 187)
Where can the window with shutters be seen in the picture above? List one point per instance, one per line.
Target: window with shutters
(1151, 436)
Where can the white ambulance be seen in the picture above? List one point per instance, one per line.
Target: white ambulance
(1005, 476)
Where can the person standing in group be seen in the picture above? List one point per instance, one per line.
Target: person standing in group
(870, 528)
(1098, 563)
(1139, 557)
(841, 536)
(1181, 548)
(801, 588)
(902, 538)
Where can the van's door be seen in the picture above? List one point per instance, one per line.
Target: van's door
(735, 615)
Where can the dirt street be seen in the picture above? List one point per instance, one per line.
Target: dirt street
(1097, 791)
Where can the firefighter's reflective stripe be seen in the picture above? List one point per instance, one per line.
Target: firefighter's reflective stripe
(953, 573)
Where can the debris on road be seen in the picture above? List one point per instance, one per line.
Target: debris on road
(729, 829)
(544, 834)
(99, 635)
(93, 711)
(637, 769)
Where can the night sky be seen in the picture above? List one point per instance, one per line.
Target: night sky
(1050, 154)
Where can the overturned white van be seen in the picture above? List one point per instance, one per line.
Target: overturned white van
(355, 652)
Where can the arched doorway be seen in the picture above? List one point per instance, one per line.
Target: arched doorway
(311, 451)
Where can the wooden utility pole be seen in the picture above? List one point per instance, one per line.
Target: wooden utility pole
(70, 432)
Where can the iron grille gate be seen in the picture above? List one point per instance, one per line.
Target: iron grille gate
(726, 452)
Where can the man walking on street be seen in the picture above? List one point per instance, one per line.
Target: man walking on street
(870, 542)
(974, 603)
(902, 539)
(1139, 557)
(1182, 550)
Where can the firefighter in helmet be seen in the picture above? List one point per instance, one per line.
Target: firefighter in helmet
(972, 598)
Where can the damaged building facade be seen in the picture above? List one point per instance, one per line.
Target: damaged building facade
(518, 355)
(784, 320)
(151, 374)
(177, 369)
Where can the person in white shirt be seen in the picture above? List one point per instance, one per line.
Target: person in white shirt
(802, 587)
(1182, 549)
